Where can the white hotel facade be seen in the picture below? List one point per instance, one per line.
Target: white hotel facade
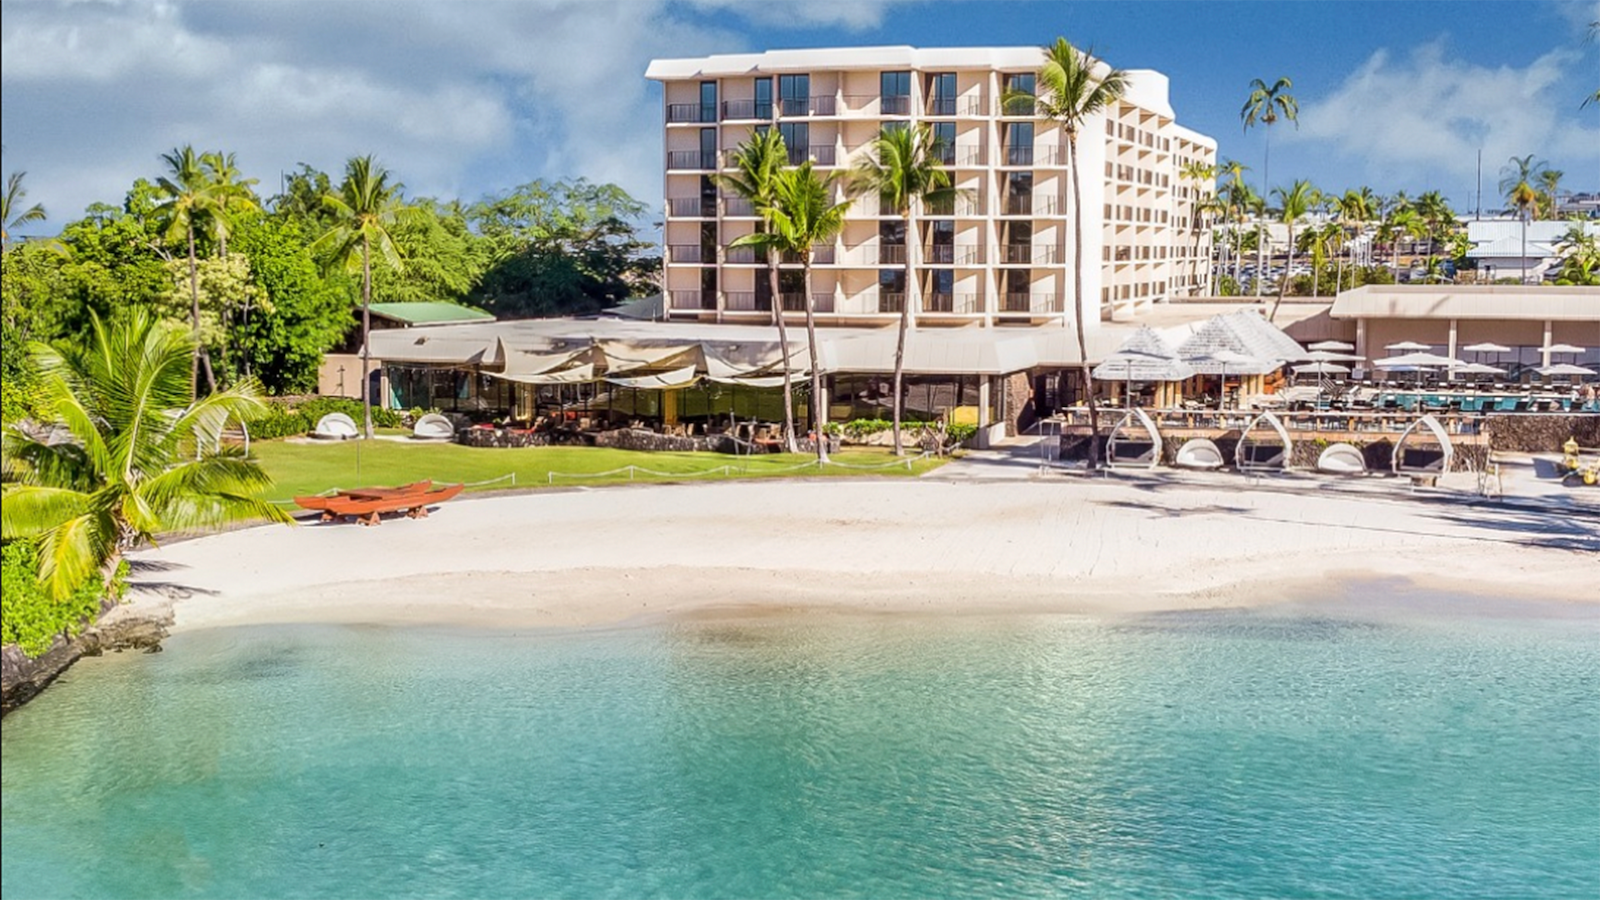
(1001, 255)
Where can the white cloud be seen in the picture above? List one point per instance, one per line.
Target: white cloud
(1427, 115)
(456, 98)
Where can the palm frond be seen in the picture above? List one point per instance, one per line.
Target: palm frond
(31, 509)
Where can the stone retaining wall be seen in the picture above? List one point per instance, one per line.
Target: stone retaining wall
(120, 627)
(1542, 433)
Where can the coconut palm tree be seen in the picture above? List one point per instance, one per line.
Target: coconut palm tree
(235, 197)
(13, 215)
(189, 199)
(1517, 179)
(800, 215)
(367, 209)
(905, 172)
(1549, 187)
(129, 454)
(1075, 86)
(1237, 193)
(756, 164)
(1205, 202)
(1580, 256)
(1267, 105)
(1294, 202)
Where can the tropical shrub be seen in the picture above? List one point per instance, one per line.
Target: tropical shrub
(30, 617)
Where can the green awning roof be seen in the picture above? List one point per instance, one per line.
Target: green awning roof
(432, 313)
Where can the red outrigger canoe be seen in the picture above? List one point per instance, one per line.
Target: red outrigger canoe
(367, 504)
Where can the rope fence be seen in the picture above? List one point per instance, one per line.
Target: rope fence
(511, 477)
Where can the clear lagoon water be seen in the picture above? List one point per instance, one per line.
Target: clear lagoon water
(1281, 753)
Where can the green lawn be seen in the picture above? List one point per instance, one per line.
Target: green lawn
(298, 469)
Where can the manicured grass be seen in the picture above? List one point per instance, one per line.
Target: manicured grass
(298, 469)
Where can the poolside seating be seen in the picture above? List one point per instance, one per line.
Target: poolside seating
(367, 505)
(433, 427)
(335, 427)
(1134, 442)
(1198, 453)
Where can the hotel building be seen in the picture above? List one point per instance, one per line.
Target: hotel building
(1001, 254)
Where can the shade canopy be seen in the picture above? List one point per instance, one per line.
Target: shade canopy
(1564, 369)
(1563, 348)
(1332, 356)
(1487, 347)
(1321, 368)
(1478, 369)
(1417, 361)
(1144, 356)
(1257, 347)
(1407, 345)
(1331, 345)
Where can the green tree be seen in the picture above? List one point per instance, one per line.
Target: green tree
(1236, 197)
(444, 260)
(1205, 204)
(13, 216)
(905, 172)
(189, 199)
(1580, 256)
(1293, 203)
(303, 311)
(1075, 87)
(1549, 192)
(801, 215)
(1517, 179)
(757, 164)
(1267, 104)
(367, 209)
(140, 457)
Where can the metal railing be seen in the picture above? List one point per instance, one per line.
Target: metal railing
(892, 253)
(1018, 156)
(684, 207)
(741, 255)
(685, 299)
(743, 301)
(957, 304)
(796, 302)
(1029, 254)
(1031, 303)
(939, 254)
(685, 253)
(738, 206)
(746, 109)
(941, 106)
(690, 159)
(808, 106)
(899, 105)
(691, 112)
(891, 301)
(1034, 205)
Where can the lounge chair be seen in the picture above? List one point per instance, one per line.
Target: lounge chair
(335, 427)
(433, 427)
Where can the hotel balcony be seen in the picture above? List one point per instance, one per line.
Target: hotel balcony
(1035, 205)
(1029, 254)
(952, 304)
(686, 253)
(1032, 303)
(821, 255)
(808, 106)
(741, 256)
(891, 301)
(747, 110)
(691, 160)
(892, 254)
(956, 106)
(738, 207)
(680, 113)
(877, 105)
(696, 300)
(686, 208)
(821, 155)
(744, 301)
(796, 302)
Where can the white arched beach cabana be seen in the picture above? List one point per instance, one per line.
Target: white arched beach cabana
(1198, 453)
(1424, 448)
(1341, 459)
(1264, 446)
(1134, 443)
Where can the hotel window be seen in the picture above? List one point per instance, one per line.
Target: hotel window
(708, 148)
(941, 242)
(794, 94)
(708, 101)
(942, 94)
(763, 104)
(891, 290)
(892, 243)
(1019, 93)
(1019, 144)
(895, 88)
(944, 142)
(796, 137)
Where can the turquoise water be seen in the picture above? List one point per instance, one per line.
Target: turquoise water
(1216, 754)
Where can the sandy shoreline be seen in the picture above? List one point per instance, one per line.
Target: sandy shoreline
(637, 554)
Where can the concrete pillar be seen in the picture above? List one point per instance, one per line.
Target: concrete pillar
(1452, 344)
(1544, 355)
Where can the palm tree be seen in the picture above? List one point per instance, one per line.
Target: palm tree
(1072, 92)
(1549, 187)
(756, 164)
(1205, 202)
(10, 217)
(129, 456)
(1237, 193)
(1266, 105)
(800, 215)
(1294, 202)
(905, 172)
(189, 199)
(235, 196)
(1580, 256)
(1257, 205)
(1517, 178)
(367, 210)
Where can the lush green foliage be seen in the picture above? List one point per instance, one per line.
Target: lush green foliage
(125, 454)
(288, 418)
(30, 616)
(860, 429)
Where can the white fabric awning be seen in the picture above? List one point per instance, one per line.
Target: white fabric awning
(676, 378)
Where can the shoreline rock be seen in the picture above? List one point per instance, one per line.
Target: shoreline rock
(121, 626)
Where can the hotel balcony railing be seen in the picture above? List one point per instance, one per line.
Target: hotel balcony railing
(960, 206)
(686, 299)
(1019, 156)
(1034, 205)
(807, 106)
(891, 301)
(1032, 303)
(952, 254)
(739, 255)
(686, 253)
(744, 301)
(685, 207)
(738, 206)
(895, 106)
(822, 156)
(747, 109)
(892, 254)
(875, 104)
(962, 304)
(690, 159)
(941, 106)
(821, 255)
(1025, 254)
(796, 302)
(1022, 106)
(691, 112)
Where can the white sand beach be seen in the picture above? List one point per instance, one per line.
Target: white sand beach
(639, 553)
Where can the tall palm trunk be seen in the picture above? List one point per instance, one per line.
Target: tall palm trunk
(819, 402)
(202, 359)
(1283, 283)
(1261, 246)
(900, 339)
(789, 443)
(366, 335)
(1077, 302)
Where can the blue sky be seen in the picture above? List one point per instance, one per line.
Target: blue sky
(466, 98)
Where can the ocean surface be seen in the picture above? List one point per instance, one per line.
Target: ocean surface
(1285, 753)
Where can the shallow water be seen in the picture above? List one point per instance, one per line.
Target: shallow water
(1284, 753)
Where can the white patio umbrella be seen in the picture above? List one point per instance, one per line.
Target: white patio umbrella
(1330, 345)
(1479, 369)
(1564, 369)
(1332, 356)
(1563, 349)
(1406, 345)
(1418, 360)
(1486, 347)
(1321, 368)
